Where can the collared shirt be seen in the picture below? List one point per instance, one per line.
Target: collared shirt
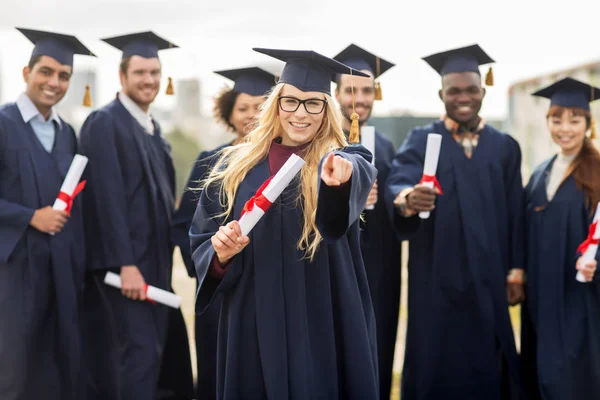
(43, 129)
(142, 117)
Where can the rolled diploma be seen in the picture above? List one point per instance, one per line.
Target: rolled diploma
(590, 253)
(71, 180)
(432, 155)
(279, 182)
(152, 293)
(367, 139)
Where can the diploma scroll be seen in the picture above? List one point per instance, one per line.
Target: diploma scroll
(70, 184)
(152, 293)
(258, 205)
(367, 139)
(589, 247)
(432, 155)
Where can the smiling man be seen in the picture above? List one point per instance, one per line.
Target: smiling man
(460, 341)
(379, 246)
(41, 249)
(130, 202)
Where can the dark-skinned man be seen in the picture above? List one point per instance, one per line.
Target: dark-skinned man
(460, 342)
(379, 245)
(42, 252)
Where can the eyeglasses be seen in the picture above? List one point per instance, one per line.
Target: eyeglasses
(291, 104)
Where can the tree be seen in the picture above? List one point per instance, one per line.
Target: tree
(184, 151)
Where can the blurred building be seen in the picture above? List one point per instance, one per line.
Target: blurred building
(527, 113)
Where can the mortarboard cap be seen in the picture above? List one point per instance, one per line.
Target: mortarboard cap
(253, 80)
(569, 92)
(56, 45)
(360, 59)
(143, 44)
(308, 70)
(464, 59)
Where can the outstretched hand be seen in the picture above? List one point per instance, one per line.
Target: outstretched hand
(336, 170)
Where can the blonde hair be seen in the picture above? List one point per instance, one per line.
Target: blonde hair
(235, 162)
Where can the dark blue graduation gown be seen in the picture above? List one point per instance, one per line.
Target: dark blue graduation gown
(130, 206)
(207, 323)
(457, 304)
(290, 328)
(564, 313)
(380, 249)
(40, 274)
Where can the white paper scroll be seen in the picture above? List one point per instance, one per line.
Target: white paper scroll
(432, 155)
(590, 253)
(71, 180)
(279, 182)
(367, 139)
(152, 293)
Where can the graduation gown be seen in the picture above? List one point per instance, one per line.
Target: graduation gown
(290, 328)
(380, 249)
(458, 318)
(128, 223)
(564, 323)
(207, 323)
(40, 274)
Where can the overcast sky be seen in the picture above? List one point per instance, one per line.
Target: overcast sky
(526, 38)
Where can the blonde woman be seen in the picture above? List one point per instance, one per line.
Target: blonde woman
(296, 318)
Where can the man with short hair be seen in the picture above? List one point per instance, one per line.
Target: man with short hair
(380, 248)
(41, 249)
(130, 203)
(467, 257)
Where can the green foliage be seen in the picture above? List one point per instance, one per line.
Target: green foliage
(184, 151)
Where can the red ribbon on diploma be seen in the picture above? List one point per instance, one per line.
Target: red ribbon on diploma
(431, 178)
(69, 199)
(590, 239)
(258, 200)
(148, 298)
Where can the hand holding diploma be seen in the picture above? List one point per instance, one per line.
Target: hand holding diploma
(151, 293)
(432, 155)
(336, 170)
(229, 241)
(586, 264)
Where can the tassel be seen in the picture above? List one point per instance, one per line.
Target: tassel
(489, 78)
(170, 91)
(378, 91)
(354, 136)
(593, 133)
(87, 97)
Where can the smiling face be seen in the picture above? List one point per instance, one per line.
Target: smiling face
(567, 127)
(364, 95)
(298, 125)
(141, 80)
(244, 110)
(47, 83)
(462, 95)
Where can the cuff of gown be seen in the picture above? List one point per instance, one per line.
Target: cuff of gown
(218, 270)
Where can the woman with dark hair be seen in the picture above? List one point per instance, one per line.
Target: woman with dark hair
(561, 317)
(236, 108)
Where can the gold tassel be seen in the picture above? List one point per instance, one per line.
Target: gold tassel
(489, 78)
(170, 91)
(354, 136)
(593, 133)
(377, 84)
(87, 97)
(378, 91)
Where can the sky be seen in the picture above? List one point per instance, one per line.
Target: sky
(526, 38)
